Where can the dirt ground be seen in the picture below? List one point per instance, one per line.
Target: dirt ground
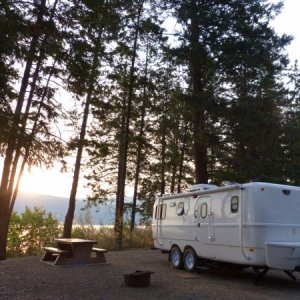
(29, 278)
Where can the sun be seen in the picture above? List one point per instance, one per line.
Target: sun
(38, 181)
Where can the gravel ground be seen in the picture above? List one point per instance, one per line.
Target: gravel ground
(29, 278)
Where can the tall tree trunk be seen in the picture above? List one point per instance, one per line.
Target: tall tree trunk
(4, 223)
(12, 189)
(72, 200)
(125, 142)
(174, 165)
(164, 142)
(140, 145)
(182, 154)
(20, 101)
(163, 155)
(30, 139)
(120, 204)
(20, 142)
(8, 173)
(200, 149)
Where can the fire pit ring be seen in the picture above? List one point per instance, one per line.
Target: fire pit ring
(137, 278)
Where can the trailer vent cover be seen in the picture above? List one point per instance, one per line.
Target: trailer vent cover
(201, 187)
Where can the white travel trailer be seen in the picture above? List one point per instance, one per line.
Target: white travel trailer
(254, 224)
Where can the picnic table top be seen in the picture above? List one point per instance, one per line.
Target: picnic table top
(74, 241)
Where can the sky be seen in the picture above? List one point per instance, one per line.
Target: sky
(52, 182)
(289, 22)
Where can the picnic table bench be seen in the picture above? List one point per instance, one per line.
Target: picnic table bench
(74, 251)
(53, 254)
(100, 253)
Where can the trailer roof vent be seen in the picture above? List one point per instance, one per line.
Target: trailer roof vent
(227, 183)
(201, 187)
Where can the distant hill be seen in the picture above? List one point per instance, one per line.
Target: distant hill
(102, 214)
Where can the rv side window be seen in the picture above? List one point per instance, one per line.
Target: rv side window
(163, 211)
(234, 204)
(203, 211)
(180, 208)
(160, 211)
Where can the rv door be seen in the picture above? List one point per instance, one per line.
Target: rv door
(205, 232)
(159, 215)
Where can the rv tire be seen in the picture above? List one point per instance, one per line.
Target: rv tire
(190, 260)
(176, 257)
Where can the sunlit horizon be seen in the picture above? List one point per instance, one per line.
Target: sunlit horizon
(55, 183)
(49, 182)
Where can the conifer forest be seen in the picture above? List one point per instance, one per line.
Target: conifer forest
(211, 97)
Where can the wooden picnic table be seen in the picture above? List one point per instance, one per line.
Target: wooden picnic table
(74, 251)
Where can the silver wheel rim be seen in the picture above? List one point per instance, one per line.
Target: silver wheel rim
(175, 258)
(189, 260)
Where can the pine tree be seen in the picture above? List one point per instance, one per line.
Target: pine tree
(31, 111)
(291, 129)
(98, 23)
(254, 111)
(219, 39)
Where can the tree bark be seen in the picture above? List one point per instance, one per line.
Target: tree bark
(119, 206)
(174, 164)
(13, 189)
(200, 148)
(8, 172)
(28, 145)
(163, 155)
(140, 146)
(182, 154)
(125, 142)
(72, 200)
(164, 141)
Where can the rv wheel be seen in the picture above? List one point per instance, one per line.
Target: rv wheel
(190, 260)
(176, 258)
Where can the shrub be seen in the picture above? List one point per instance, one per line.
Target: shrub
(140, 237)
(34, 229)
(31, 231)
(106, 238)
